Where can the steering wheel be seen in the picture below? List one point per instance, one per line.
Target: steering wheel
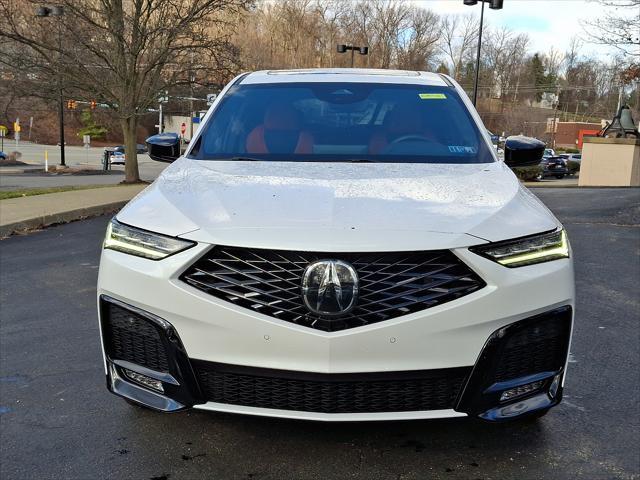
(410, 138)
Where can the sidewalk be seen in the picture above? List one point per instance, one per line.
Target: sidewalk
(37, 211)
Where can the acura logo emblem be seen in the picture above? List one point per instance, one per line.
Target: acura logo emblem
(330, 287)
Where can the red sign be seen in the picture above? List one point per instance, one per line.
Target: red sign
(586, 133)
(183, 128)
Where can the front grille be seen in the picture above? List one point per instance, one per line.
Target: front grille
(131, 337)
(391, 284)
(330, 393)
(539, 347)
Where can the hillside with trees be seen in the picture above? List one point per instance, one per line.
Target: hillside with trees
(123, 55)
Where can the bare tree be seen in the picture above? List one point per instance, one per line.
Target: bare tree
(123, 53)
(417, 45)
(459, 36)
(619, 26)
(504, 58)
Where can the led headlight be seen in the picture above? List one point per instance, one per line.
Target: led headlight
(527, 251)
(142, 243)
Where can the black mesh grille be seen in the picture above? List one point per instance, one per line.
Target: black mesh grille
(131, 337)
(330, 393)
(539, 347)
(391, 284)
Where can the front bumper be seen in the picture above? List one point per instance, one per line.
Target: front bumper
(450, 340)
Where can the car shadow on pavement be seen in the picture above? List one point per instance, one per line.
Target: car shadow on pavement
(284, 448)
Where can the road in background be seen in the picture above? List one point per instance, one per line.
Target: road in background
(33, 154)
(149, 171)
(57, 419)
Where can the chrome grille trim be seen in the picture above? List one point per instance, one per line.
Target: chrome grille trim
(392, 284)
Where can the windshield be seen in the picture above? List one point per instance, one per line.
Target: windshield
(342, 122)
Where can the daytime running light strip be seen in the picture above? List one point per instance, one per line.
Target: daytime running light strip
(560, 251)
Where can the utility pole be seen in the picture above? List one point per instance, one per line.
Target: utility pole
(620, 94)
(61, 96)
(163, 98)
(191, 80)
(555, 114)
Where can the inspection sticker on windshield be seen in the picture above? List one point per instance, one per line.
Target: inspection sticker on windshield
(462, 149)
(432, 96)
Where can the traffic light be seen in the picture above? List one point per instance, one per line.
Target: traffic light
(72, 104)
(93, 104)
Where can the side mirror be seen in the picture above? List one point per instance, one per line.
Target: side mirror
(164, 147)
(520, 151)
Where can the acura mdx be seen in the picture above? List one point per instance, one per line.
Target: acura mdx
(338, 244)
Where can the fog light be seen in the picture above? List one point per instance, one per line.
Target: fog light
(553, 389)
(521, 390)
(144, 380)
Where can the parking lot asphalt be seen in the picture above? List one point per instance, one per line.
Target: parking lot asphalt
(57, 419)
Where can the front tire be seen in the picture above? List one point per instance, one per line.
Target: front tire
(559, 177)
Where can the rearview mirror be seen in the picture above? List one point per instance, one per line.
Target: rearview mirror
(164, 147)
(520, 151)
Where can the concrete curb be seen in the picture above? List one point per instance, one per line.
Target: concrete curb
(38, 211)
(62, 217)
(548, 185)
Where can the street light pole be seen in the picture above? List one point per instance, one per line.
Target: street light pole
(494, 5)
(475, 83)
(57, 11)
(345, 48)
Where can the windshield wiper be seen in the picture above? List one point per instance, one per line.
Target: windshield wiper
(242, 159)
(361, 160)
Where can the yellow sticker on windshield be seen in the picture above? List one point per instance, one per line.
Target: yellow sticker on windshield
(432, 96)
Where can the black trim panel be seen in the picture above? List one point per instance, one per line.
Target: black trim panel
(482, 391)
(182, 387)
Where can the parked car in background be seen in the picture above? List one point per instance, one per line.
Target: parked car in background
(117, 155)
(3, 156)
(553, 167)
(571, 157)
(139, 148)
(117, 158)
(549, 152)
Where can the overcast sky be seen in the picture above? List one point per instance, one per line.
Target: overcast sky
(547, 22)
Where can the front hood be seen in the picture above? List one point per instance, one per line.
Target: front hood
(338, 206)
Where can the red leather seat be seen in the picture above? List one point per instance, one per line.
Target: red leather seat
(280, 133)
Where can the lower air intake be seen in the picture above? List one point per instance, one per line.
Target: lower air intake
(131, 337)
(330, 393)
(538, 347)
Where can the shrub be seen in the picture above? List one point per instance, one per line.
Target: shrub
(573, 167)
(90, 127)
(572, 150)
(527, 174)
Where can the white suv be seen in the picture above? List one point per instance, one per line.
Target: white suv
(338, 245)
